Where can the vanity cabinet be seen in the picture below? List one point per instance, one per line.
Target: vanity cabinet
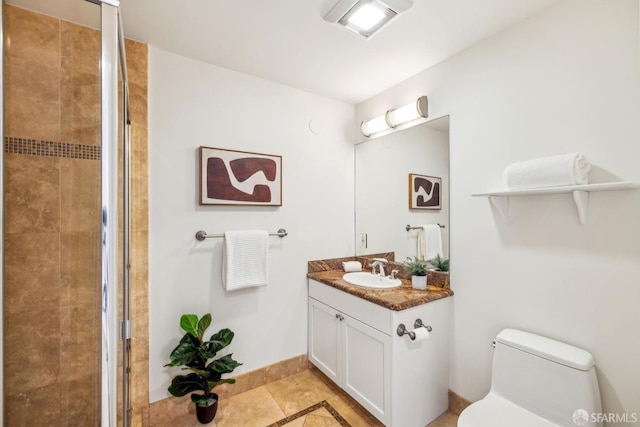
(354, 355)
(403, 383)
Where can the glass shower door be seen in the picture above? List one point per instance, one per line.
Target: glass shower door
(63, 326)
(52, 240)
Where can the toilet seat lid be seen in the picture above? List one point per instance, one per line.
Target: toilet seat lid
(494, 411)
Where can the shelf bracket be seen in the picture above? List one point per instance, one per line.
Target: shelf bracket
(582, 203)
(501, 203)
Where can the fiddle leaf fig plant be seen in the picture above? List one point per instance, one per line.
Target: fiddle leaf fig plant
(194, 354)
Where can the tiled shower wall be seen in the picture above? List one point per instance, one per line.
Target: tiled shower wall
(52, 199)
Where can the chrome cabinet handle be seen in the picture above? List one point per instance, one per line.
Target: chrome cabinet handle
(340, 317)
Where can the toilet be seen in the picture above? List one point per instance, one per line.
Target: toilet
(535, 382)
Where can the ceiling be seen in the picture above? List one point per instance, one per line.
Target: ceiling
(288, 42)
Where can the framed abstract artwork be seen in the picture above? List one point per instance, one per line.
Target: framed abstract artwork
(425, 192)
(230, 177)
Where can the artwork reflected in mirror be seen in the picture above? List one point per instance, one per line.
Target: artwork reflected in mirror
(424, 191)
(420, 153)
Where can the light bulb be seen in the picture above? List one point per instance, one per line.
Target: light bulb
(369, 127)
(408, 112)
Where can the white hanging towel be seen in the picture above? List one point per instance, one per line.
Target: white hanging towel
(245, 259)
(429, 242)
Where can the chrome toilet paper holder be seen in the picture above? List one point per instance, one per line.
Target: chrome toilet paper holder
(402, 330)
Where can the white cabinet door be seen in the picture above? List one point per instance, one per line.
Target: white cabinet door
(324, 338)
(366, 373)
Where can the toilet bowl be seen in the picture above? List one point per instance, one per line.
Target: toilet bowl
(535, 382)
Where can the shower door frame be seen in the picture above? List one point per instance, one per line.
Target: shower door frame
(2, 213)
(113, 327)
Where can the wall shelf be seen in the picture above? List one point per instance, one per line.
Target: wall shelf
(500, 199)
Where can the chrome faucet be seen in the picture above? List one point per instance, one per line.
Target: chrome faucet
(378, 262)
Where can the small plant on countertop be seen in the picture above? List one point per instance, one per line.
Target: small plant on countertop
(439, 263)
(415, 267)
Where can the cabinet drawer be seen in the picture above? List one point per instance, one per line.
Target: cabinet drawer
(366, 312)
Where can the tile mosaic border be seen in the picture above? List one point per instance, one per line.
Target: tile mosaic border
(34, 147)
(310, 409)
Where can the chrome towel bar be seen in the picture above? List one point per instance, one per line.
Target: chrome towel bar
(201, 235)
(408, 227)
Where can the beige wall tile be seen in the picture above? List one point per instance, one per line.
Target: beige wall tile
(138, 104)
(86, 114)
(80, 84)
(32, 101)
(32, 75)
(79, 341)
(80, 195)
(140, 384)
(32, 345)
(32, 276)
(31, 37)
(286, 367)
(457, 403)
(139, 190)
(140, 320)
(32, 194)
(137, 62)
(80, 402)
(38, 408)
(81, 47)
(80, 269)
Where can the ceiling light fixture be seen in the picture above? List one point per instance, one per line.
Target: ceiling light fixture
(365, 17)
(416, 110)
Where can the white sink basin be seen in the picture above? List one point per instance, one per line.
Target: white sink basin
(369, 280)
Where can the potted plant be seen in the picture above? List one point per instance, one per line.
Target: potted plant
(194, 353)
(439, 263)
(418, 271)
(439, 274)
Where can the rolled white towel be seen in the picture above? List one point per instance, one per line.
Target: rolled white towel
(555, 171)
(349, 266)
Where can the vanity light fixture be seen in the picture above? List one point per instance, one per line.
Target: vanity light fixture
(399, 116)
(365, 17)
(376, 125)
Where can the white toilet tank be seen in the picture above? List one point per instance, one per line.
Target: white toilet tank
(547, 377)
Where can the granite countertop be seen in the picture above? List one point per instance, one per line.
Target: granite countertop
(396, 299)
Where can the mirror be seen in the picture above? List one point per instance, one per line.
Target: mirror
(382, 181)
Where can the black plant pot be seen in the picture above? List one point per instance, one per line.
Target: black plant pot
(206, 412)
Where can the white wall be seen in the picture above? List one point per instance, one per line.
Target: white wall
(564, 81)
(192, 104)
(382, 169)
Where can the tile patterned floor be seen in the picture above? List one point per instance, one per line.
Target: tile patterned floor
(307, 399)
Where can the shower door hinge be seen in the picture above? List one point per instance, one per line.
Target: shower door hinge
(125, 330)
